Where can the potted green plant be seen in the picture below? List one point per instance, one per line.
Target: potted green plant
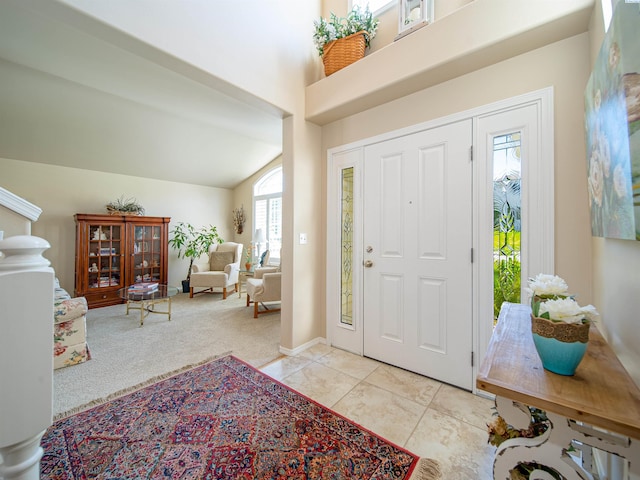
(192, 243)
(341, 41)
(125, 206)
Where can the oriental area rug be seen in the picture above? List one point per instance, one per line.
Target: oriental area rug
(220, 420)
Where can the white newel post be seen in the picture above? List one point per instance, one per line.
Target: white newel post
(26, 355)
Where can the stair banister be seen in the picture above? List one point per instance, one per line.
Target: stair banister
(26, 355)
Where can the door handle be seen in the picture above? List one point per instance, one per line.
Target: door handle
(368, 263)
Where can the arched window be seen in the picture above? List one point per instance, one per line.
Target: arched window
(267, 215)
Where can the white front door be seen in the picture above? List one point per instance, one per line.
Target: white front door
(417, 280)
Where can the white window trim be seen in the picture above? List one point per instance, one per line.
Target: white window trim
(273, 258)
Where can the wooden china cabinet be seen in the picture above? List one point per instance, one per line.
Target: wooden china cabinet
(115, 251)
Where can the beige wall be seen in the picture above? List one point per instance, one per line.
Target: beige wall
(12, 223)
(61, 192)
(564, 66)
(616, 269)
(303, 280)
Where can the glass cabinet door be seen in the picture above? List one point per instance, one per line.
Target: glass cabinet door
(105, 256)
(147, 253)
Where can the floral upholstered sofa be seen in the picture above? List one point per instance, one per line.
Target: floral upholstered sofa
(69, 329)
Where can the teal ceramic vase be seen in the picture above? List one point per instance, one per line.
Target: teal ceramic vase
(561, 346)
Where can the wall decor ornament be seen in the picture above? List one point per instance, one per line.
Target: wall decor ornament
(612, 124)
(239, 219)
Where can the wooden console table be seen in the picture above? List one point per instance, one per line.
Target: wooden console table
(598, 407)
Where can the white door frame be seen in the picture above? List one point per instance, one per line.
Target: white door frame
(539, 205)
(348, 337)
(537, 241)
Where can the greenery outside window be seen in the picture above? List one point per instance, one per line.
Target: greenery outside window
(507, 224)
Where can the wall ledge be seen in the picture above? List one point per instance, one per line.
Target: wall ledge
(19, 205)
(463, 43)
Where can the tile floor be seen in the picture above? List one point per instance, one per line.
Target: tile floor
(428, 418)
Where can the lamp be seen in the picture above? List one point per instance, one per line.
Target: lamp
(259, 238)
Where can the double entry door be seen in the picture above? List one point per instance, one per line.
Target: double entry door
(409, 300)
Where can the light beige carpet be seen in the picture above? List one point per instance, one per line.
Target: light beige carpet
(125, 355)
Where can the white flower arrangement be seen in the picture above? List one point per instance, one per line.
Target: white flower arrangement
(550, 299)
(547, 286)
(567, 310)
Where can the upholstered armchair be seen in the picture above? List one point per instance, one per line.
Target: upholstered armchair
(69, 328)
(265, 286)
(220, 272)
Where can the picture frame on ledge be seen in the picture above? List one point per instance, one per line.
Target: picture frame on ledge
(413, 15)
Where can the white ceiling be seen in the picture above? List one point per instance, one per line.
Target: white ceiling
(69, 98)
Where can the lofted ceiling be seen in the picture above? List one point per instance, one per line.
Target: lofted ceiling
(72, 99)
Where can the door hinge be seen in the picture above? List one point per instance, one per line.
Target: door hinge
(472, 255)
(471, 152)
(473, 357)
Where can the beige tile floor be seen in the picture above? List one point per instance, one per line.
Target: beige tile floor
(428, 418)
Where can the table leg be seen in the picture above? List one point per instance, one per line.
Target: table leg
(169, 309)
(551, 450)
(142, 307)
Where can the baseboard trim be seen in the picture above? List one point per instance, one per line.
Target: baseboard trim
(303, 347)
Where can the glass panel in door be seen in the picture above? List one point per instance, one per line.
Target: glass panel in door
(346, 248)
(507, 226)
(146, 253)
(105, 256)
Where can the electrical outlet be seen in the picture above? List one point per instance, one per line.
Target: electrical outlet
(303, 238)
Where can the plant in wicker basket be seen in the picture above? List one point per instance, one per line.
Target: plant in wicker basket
(340, 41)
(125, 206)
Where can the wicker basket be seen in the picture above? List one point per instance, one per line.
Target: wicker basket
(342, 52)
(112, 211)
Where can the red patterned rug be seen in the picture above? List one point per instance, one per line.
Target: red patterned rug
(220, 420)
